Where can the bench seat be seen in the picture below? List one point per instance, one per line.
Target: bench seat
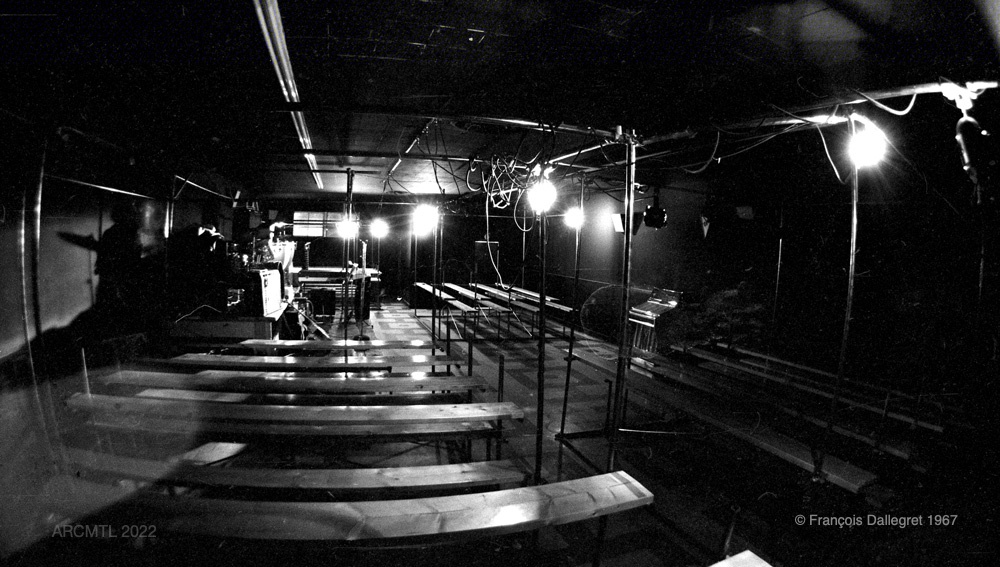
(431, 477)
(252, 430)
(462, 307)
(292, 383)
(201, 411)
(473, 515)
(381, 399)
(480, 299)
(510, 299)
(707, 409)
(330, 345)
(436, 293)
(300, 363)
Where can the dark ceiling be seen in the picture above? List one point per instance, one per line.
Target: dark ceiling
(442, 96)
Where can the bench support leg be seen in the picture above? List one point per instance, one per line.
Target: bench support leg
(602, 530)
(471, 337)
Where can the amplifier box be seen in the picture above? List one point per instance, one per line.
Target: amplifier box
(264, 293)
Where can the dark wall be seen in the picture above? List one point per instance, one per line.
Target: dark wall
(50, 292)
(25, 466)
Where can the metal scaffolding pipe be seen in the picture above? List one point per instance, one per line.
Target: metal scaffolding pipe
(573, 317)
(623, 343)
(540, 401)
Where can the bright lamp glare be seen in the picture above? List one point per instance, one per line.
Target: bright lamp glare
(347, 229)
(868, 145)
(379, 228)
(541, 195)
(425, 218)
(574, 217)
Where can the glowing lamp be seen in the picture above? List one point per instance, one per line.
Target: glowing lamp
(574, 217)
(425, 218)
(541, 195)
(379, 228)
(347, 229)
(868, 145)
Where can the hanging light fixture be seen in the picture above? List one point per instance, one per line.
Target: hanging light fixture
(425, 218)
(379, 228)
(347, 228)
(573, 217)
(541, 195)
(655, 217)
(868, 144)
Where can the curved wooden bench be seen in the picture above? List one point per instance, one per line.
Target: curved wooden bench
(300, 364)
(265, 345)
(441, 517)
(837, 471)
(292, 383)
(252, 430)
(431, 477)
(197, 411)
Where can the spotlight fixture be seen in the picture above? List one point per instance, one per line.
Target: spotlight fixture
(425, 218)
(655, 217)
(573, 217)
(868, 145)
(347, 229)
(541, 195)
(379, 228)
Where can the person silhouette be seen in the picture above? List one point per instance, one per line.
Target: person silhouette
(119, 253)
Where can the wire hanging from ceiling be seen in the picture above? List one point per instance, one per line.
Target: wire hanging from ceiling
(889, 109)
(718, 136)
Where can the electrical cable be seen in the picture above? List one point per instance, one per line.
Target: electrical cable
(718, 136)
(525, 228)
(434, 167)
(794, 127)
(803, 118)
(827, 150)
(195, 310)
(890, 110)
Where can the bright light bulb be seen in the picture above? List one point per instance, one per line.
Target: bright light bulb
(347, 229)
(425, 218)
(574, 217)
(868, 145)
(541, 195)
(379, 228)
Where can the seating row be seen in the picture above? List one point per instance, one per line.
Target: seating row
(130, 432)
